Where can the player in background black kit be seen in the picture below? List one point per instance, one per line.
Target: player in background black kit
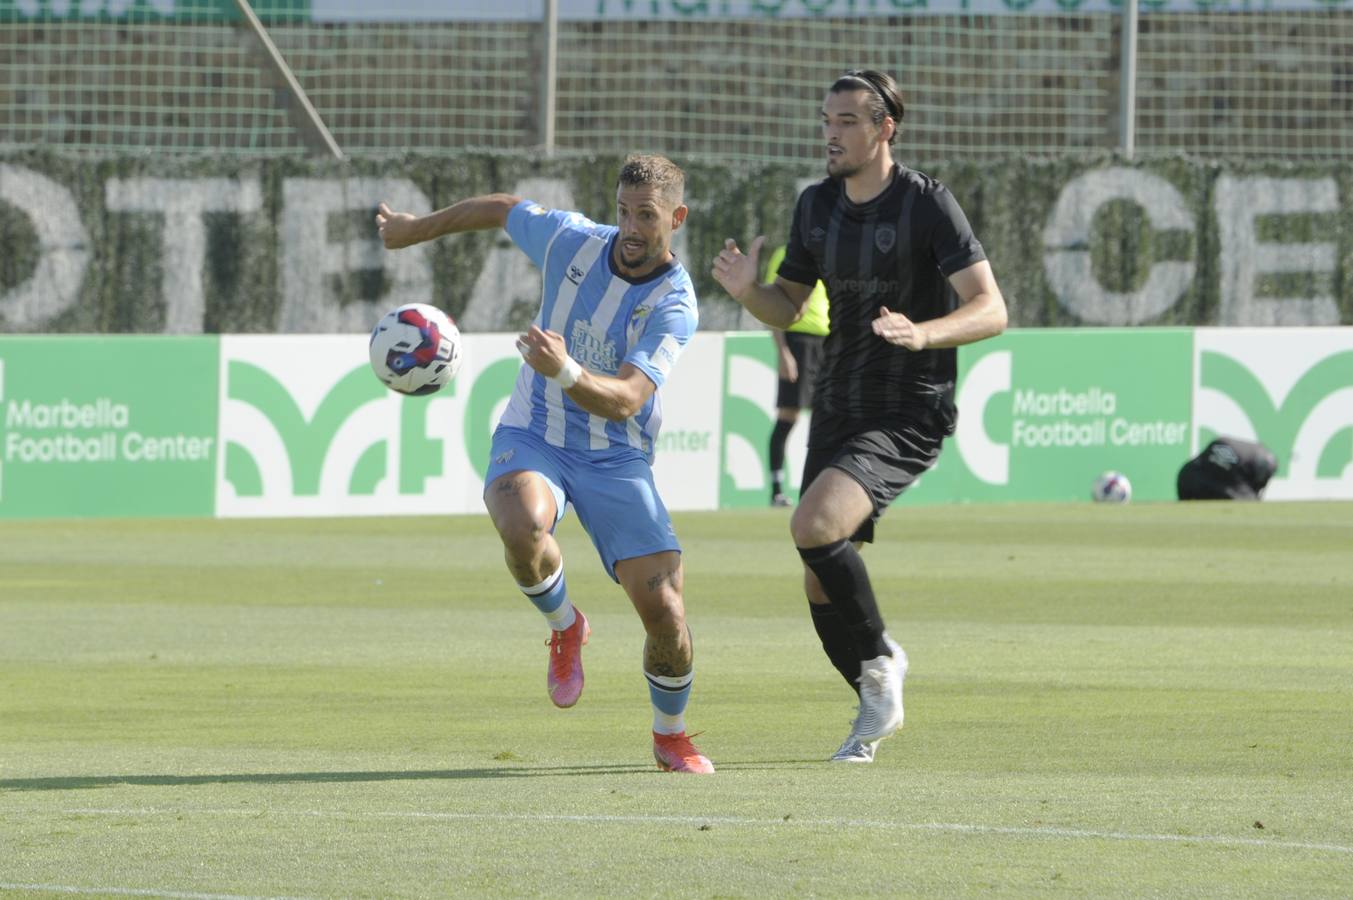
(907, 283)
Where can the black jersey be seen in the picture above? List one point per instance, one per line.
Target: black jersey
(897, 250)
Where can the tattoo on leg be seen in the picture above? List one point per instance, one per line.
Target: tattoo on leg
(522, 572)
(657, 580)
(511, 486)
(669, 658)
(662, 670)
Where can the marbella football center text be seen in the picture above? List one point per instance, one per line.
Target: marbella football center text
(1088, 418)
(90, 432)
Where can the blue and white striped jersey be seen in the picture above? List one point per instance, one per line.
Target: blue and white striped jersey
(606, 320)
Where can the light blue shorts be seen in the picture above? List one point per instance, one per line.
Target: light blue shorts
(612, 492)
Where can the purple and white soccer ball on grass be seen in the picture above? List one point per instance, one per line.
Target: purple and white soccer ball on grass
(416, 349)
(1112, 487)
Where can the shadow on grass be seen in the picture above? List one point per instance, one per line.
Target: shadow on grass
(85, 782)
(88, 782)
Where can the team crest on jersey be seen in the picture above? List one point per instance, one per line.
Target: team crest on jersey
(637, 320)
(591, 347)
(885, 236)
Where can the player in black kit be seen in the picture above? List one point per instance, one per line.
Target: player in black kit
(907, 283)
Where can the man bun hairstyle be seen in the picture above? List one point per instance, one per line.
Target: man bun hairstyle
(885, 96)
(651, 170)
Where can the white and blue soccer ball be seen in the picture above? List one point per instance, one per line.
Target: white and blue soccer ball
(1111, 487)
(416, 349)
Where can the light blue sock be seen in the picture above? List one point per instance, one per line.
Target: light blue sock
(551, 598)
(669, 696)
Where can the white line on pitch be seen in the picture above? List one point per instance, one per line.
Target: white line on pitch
(955, 827)
(123, 892)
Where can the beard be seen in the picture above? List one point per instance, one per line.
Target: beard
(640, 259)
(839, 168)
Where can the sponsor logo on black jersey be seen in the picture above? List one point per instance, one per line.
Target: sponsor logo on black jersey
(867, 286)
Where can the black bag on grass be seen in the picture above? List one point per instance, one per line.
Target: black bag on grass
(1227, 469)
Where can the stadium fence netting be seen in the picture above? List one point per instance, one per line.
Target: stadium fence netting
(187, 77)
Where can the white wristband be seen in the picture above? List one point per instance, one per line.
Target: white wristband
(568, 376)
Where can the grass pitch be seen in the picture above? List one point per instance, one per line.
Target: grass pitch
(1111, 701)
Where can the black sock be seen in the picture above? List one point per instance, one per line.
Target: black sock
(778, 435)
(837, 642)
(840, 569)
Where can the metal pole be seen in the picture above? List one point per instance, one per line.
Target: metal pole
(549, 75)
(312, 127)
(1127, 81)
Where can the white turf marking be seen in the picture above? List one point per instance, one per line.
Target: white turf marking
(957, 828)
(120, 892)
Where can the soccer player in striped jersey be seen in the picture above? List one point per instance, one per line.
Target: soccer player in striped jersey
(907, 282)
(581, 426)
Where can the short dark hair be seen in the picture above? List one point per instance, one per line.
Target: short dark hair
(651, 170)
(885, 98)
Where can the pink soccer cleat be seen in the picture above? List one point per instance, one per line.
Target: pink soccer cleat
(565, 676)
(676, 753)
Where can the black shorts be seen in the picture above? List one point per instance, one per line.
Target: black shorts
(885, 458)
(807, 352)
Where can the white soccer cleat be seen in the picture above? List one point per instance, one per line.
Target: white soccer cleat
(881, 695)
(855, 751)
(899, 656)
(893, 646)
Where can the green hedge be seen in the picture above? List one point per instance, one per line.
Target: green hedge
(1302, 215)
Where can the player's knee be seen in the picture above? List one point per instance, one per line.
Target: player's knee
(821, 519)
(809, 527)
(663, 614)
(522, 535)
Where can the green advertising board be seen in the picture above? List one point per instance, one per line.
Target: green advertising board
(284, 425)
(1043, 412)
(749, 380)
(100, 426)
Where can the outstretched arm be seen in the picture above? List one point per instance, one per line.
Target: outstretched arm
(399, 229)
